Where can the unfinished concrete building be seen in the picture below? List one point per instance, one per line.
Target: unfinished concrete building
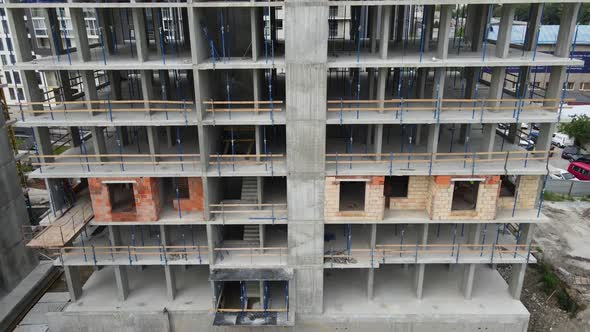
(221, 176)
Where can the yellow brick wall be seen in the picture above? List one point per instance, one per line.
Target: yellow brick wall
(417, 195)
(527, 194)
(440, 203)
(374, 199)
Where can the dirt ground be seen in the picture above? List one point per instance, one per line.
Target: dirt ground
(563, 243)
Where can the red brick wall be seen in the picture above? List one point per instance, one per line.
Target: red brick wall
(147, 200)
(194, 202)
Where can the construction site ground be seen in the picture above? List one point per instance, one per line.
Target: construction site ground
(563, 247)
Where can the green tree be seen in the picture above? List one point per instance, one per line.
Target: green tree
(579, 129)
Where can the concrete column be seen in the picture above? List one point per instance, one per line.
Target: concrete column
(122, 282)
(533, 26)
(368, 135)
(98, 142)
(385, 28)
(254, 24)
(473, 235)
(170, 281)
(115, 84)
(371, 275)
(140, 34)
(20, 41)
(444, 28)
(375, 35)
(147, 90)
(163, 236)
(420, 268)
(428, 25)
(115, 235)
(378, 140)
(72, 274)
(419, 280)
(153, 135)
(259, 189)
(52, 23)
(418, 134)
(488, 139)
(306, 51)
(497, 85)
(546, 131)
(477, 16)
(567, 28)
(505, 31)
(433, 135)
(80, 34)
(158, 31)
(107, 29)
(258, 141)
(89, 86)
(421, 88)
(438, 86)
(74, 133)
(256, 87)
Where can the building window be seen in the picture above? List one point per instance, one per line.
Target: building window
(585, 86)
(352, 195)
(396, 186)
(21, 95)
(12, 94)
(508, 185)
(569, 85)
(121, 197)
(465, 195)
(4, 63)
(16, 77)
(8, 77)
(333, 29)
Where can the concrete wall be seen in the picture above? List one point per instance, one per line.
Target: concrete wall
(16, 261)
(177, 321)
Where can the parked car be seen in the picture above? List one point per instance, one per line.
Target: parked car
(582, 158)
(569, 151)
(580, 170)
(561, 140)
(561, 174)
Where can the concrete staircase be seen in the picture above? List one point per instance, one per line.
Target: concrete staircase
(252, 233)
(249, 190)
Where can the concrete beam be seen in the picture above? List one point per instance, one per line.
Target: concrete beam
(505, 31)
(444, 29)
(73, 281)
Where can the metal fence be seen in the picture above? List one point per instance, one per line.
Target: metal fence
(570, 188)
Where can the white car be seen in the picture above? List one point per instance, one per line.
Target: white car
(560, 174)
